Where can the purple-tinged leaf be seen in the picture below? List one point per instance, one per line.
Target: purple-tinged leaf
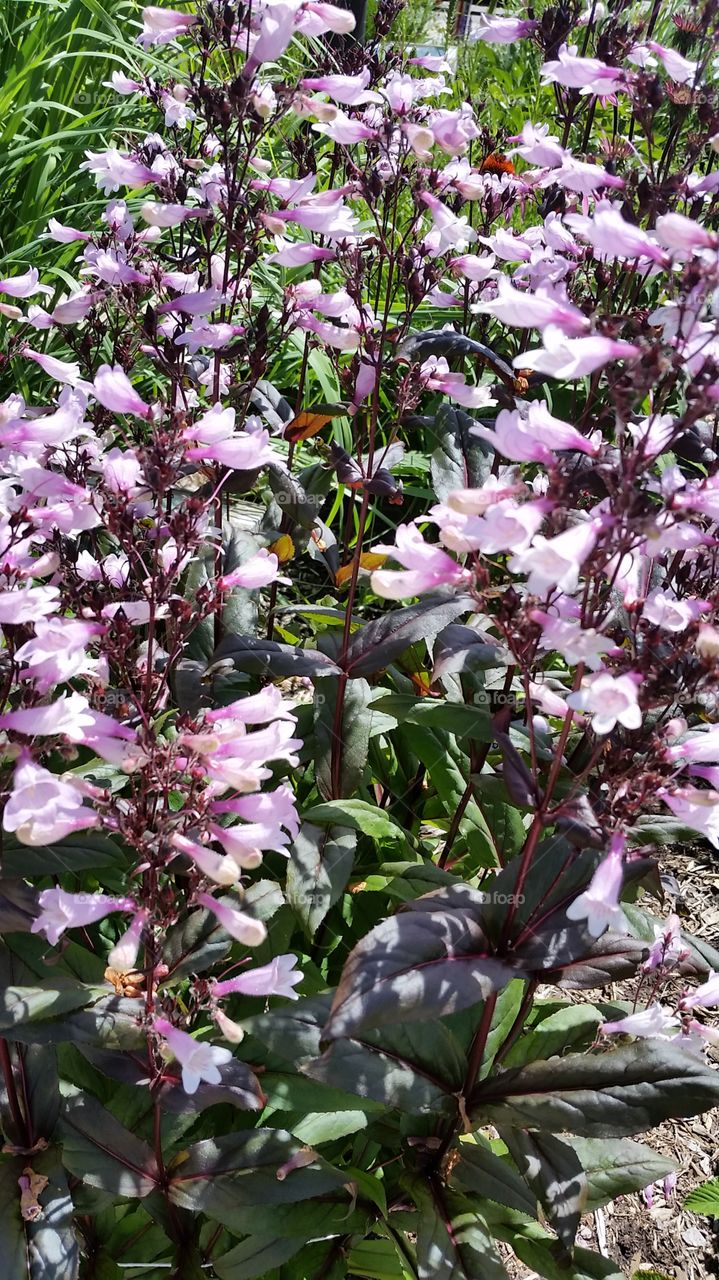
(100, 1151)
(554, 1171)
(376, 644)
(453, 1239)
(422, 963)
(604, 1095)
(320, 865)
(269, 658)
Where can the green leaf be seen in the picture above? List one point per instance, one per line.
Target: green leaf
(704, 1199)
(608, 1095)
(617, 1167)
(100, 1151)
(255, 1256)
(574, 1026)
(586, 1265)
(110, 1023)
(492, 1177)
(395, 1066)
(378, 1260)
(52, 1243)
(435, 713)
(80, 852)
(376, 644)
(554, 1171)
(460, 648)
(453, 1239)
(320, 865)
(358, 815)
(423, 963)
(22, 1005)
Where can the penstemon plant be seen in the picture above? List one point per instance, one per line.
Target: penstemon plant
(314, 905)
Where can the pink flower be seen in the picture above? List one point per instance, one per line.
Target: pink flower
(527, 310)
(667, 945)
(454, 130)
(258, 708)
(664, 610)
(532, 438)
(436, 376)
(43, 807)
(113, 170)
(338, 337)
(705, 996)
(238, 924)
(24, 286)
(277, 27)
(71, 717)
(683, 234)
(655, 1020)
(163, 25)
(505, 526)
(59, 370)
(473, 266)
(698, 747)
(329, 16)
(575, 643)
(122, 84)
(61, 911)
(599, 904)
(611, 700)
(697, 809)
(114, 391)
(680, 69)
(258, 571)
(168, 215)
(27, 604)
(503, 30)
(344, 130)
(198, 1061)
(298, 255)
(448, 231)
(278, 978)
(557, 562)
(579, 175)
(199, 303)
(241, 451)
(539, 146)
(56, 653)
(612, 236)
(218, 868)
(570, 358)
(426, 567)
(589, 75)
(123, 955)
(350, 90)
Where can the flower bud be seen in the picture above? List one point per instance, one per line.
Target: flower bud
(707, 642)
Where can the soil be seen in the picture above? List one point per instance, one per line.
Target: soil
(651, 1234)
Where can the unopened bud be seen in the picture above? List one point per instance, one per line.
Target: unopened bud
(707, 642)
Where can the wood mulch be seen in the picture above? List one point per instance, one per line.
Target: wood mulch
(661, 1238)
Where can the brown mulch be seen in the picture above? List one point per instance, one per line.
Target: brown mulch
(663, 1237)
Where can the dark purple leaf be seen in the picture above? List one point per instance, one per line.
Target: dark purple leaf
(418, 964)
(604, 1095)
(377, 643)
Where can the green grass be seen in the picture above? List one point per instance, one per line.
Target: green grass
(54, 56)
